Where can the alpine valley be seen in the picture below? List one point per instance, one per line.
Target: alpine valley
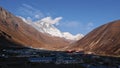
(39, 44)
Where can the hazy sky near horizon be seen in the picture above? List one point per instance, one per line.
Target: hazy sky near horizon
(77, 16)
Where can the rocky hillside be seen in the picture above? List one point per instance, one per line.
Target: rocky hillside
(15, 32)
(104, 40)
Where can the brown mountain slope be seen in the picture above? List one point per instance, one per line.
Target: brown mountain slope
(13, 31)
(104, 40)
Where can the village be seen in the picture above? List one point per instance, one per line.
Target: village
(27, 56)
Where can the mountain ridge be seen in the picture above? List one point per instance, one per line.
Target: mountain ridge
(103, 40)
(44, 26)
(25, 35)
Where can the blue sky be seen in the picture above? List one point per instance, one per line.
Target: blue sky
(78, 16)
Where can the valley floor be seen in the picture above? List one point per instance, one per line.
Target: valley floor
(32, 58)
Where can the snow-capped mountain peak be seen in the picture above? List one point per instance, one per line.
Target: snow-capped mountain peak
(46, 25)
(48, 28)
